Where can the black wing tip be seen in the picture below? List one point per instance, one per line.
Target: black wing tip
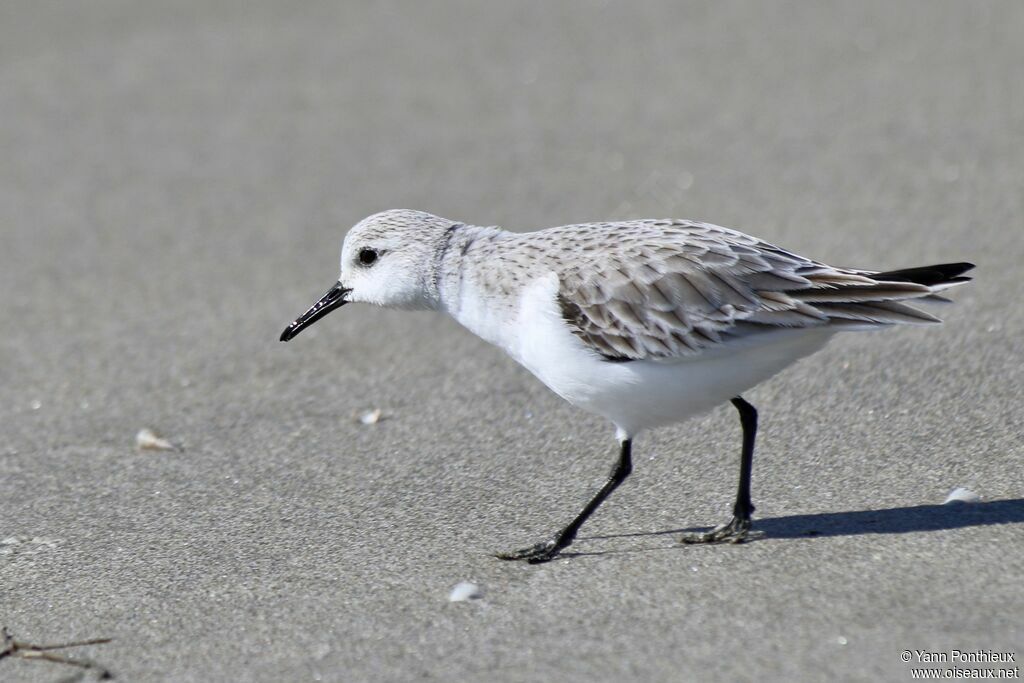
(616, 359)
(938, 274)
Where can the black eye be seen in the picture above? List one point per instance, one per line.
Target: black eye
(367, 256)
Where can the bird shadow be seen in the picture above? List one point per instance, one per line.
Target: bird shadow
(901, 520)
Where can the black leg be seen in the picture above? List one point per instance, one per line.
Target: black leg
(738, 529)
(547, 550)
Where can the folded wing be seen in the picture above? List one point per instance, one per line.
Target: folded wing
(676, 288)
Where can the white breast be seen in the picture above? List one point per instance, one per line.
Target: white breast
(634, 395)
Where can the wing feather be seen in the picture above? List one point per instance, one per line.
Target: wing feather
(672, 289)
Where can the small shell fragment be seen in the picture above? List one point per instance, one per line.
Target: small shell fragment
(465, 590)
(148, 440)
(961, 495)
(27, 545)
(371, 417)
(15, 540)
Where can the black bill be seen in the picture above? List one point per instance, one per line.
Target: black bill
(334, 298)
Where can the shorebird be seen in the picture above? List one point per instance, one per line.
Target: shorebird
(644, 322)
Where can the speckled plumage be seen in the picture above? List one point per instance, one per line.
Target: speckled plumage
(644, 322)
(569, 302)
(663, 289)
(566, 302)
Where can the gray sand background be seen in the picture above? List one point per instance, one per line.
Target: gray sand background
(175, 180)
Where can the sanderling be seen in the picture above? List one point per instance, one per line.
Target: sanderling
(644, 322)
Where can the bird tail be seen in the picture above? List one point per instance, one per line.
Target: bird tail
(870, 299)
(938, 277)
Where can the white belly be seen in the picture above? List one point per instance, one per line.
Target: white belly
(639, 395)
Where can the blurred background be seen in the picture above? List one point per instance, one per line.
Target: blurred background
(175, 182)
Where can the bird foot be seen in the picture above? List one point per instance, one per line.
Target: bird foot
(535, 554)
(737, 530)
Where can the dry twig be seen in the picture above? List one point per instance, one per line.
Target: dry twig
(9, 647)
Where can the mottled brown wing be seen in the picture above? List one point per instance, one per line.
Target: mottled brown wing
(675, 289)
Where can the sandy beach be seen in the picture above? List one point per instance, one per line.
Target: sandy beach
(175, 182)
